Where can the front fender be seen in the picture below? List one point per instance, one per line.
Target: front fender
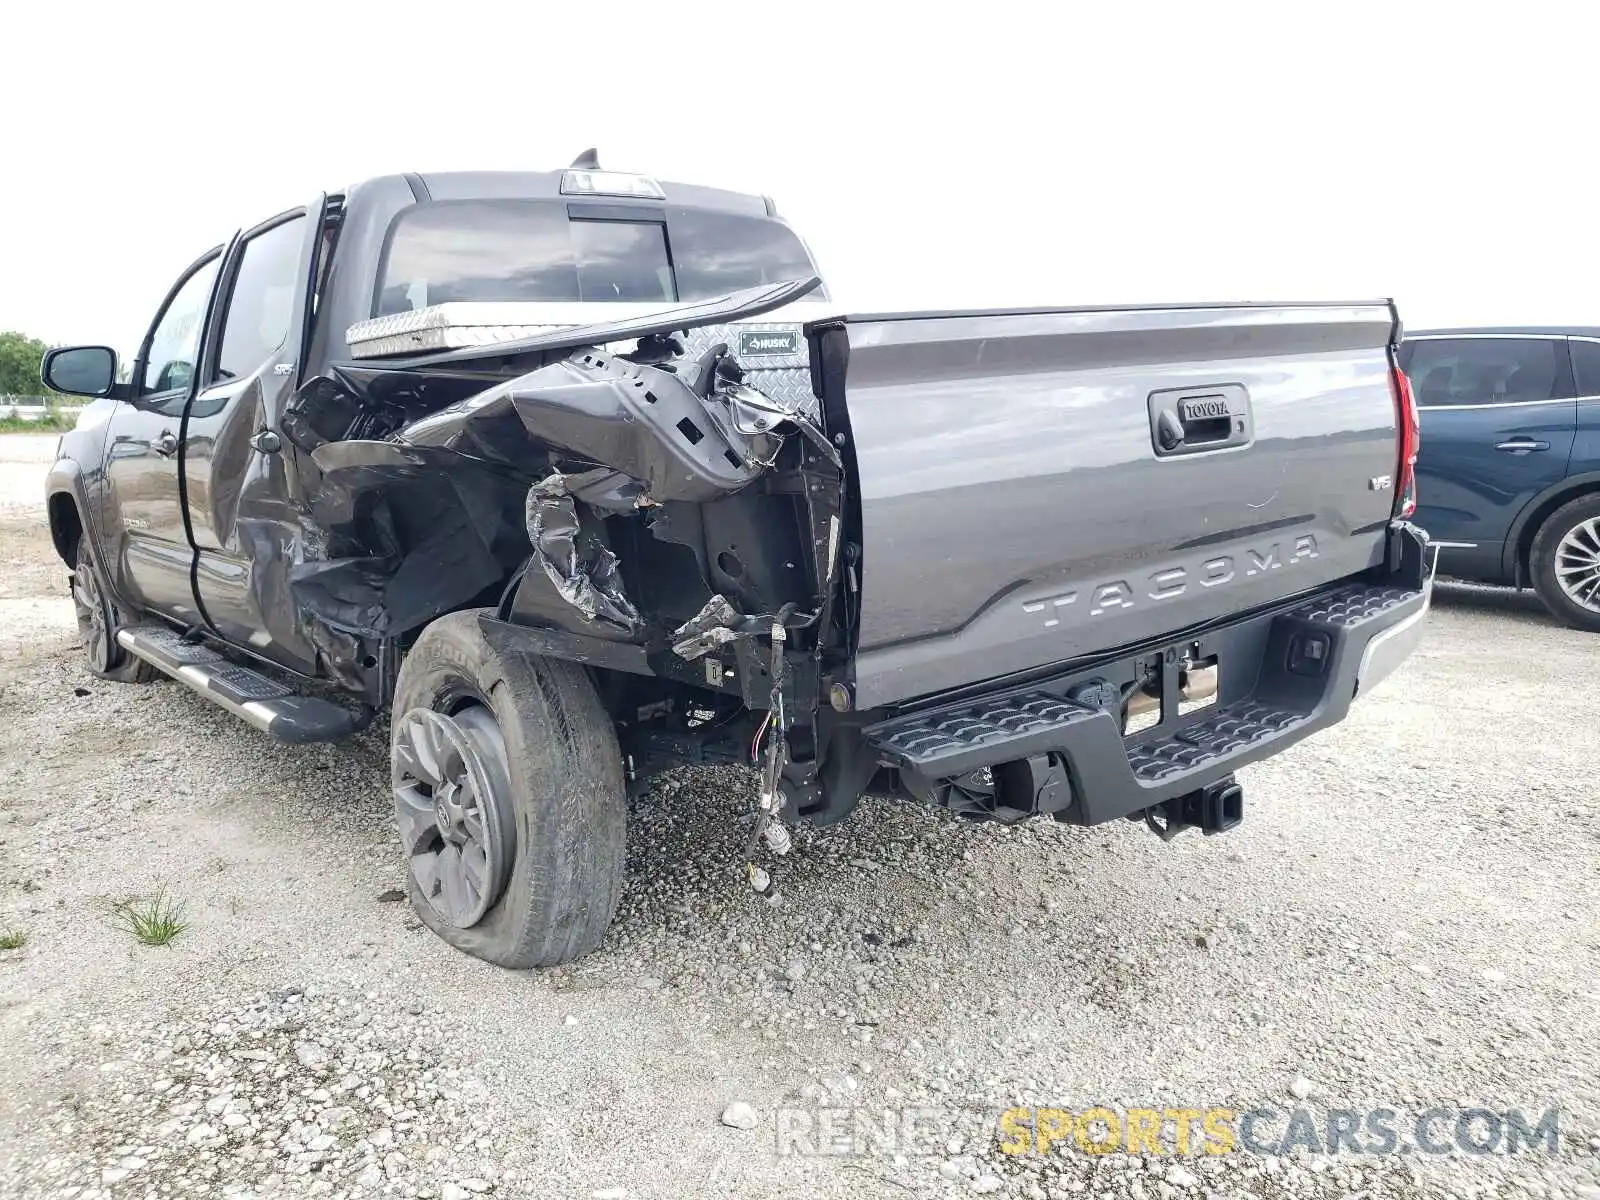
(72, 488)
(67, 504)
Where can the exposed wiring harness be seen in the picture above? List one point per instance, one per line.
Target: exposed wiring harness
(761, 732)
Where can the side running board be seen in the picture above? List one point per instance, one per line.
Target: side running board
(264, 703)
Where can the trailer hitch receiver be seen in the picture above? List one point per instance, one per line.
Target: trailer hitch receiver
(1215, 808)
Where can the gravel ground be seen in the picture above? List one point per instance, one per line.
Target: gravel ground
(1407, 919)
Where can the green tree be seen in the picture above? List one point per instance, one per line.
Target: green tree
(19, 365)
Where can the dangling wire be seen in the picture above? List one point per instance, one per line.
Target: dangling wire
(761, 732)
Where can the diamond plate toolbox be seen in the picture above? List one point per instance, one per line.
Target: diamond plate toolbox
(773, 352)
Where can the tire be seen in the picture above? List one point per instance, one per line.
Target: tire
(562, 815)
(102, 655)
(1569, 539)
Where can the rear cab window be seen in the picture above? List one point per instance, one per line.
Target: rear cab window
(543, 250)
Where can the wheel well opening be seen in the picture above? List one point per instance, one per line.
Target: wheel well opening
(1523, 567)
(65, 527)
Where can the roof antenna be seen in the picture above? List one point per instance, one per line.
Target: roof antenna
(589, 160)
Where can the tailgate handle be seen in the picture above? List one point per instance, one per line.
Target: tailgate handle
(1199, 420)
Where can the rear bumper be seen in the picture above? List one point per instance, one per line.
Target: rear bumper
(1388, 648)
(1284, 675)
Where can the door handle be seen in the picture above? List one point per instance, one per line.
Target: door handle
(165, 444)
(1522, 445)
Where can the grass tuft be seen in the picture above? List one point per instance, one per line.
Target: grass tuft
(13, 939)
(153, 920)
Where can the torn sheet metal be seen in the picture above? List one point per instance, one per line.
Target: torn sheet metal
(712, 627)
(457, 412)
(412, 533)
(754, 412)
(760, 415)
(694, 433)
(642, 421)
(583, 571)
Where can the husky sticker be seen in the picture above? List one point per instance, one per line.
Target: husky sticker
(759, 343)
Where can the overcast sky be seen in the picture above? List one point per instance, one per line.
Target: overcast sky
(933, 155)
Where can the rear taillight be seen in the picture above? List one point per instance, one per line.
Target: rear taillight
(1405, 484)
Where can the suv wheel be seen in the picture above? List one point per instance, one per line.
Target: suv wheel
(98, 622)
(1565, 562)
(509, 798)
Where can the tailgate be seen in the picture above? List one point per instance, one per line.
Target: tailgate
(1038, 486)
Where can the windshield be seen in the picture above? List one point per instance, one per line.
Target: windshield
(533, 250)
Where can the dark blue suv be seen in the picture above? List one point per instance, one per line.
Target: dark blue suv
(1509, 472)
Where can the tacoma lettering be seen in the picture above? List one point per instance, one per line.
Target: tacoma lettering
(1168, 583)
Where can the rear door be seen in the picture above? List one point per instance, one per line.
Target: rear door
(1498, 421)
(246, 533)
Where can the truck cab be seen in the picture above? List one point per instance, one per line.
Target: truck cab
(189, 516)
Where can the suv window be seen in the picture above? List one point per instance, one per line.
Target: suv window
(1586, 365)
(262, 304)
(1489, 370)
(175, 344)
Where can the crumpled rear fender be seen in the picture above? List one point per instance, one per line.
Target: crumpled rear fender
(530, 493)
(412, 533)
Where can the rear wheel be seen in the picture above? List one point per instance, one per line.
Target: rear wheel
(509, 798)
(98, 622)
(1565, 562)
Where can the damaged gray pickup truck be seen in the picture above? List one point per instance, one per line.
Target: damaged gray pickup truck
(579, 476)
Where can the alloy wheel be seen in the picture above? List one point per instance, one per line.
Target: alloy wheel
(452, 800)
(1577, 564)
(94, 623)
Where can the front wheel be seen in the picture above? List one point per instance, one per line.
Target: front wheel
(509, 798)
(1565, 563)
(98, 622)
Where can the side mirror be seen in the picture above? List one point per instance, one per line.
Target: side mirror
(80, 370)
